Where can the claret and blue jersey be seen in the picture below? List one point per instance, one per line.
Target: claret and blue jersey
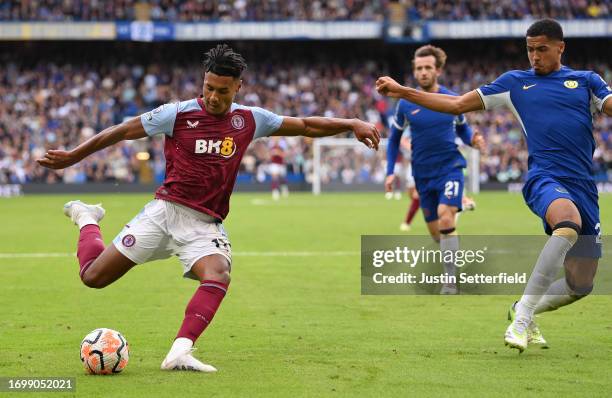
(556, 114)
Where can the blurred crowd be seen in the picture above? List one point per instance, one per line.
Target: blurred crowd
(53, 105)
(192, 10)
(312, 10)
(466, 10)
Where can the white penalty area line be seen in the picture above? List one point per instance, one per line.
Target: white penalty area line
(237, 254)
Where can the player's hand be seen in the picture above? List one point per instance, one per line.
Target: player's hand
(58, 159)
(367, 133)
(389, 87)
(478, 142)
(389, 182)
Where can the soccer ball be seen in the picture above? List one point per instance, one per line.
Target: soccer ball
(104, 351)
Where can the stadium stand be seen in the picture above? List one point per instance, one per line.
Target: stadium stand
(319, 10)
(63, 100)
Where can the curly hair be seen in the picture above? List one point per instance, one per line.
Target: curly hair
(224, 61)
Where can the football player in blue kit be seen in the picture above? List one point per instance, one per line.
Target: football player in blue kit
(554, 105)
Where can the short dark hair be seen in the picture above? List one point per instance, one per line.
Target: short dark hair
(224, 61)
(437, 53)
(546, 27)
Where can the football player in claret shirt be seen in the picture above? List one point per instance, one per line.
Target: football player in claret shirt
(278, 169)
(205, 139)
(554, 105)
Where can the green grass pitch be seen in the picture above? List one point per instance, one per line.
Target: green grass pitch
(292, 325)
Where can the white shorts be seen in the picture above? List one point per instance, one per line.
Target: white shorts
(275, 169)
(163, 229)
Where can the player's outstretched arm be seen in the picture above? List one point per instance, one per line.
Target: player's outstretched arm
(316, 127)
(129, 130)
(607, 107)
(456, 105)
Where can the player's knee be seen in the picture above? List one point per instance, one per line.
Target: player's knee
(93, 280)
(446, 221)
(224, 277)
(446, 217)
(220, 273)
(580, 289)
(563, 212)
(568, 230)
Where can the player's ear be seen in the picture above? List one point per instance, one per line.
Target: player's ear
(561, 47)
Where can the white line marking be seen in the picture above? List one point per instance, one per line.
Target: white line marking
(251, 254)
(295, 254)
(237, 254)
(35, 255)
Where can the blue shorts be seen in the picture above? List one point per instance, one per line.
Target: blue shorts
(541, 190)
(446, 190)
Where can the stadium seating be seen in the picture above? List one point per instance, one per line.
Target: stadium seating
(57, 105)
(268, 10)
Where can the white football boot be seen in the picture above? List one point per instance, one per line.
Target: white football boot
(449, 289)
(534, 334)
(468, 204)
(517, 335)
(82, 214)
(405, 227)
(183, 360)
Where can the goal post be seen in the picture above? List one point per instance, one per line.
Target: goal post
(350, 152)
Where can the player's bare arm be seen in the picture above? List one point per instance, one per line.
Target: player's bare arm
(59, 159)
(607, 107)
(456, 105)
(316, 127)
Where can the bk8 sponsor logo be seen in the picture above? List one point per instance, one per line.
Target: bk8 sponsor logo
(225, 147)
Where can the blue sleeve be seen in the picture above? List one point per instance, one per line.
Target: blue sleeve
(160, 120)
(600, 91)
(393, 148)
(398, 124)
(266, 122)
(496, 94)
(463, 130)
(399, 117)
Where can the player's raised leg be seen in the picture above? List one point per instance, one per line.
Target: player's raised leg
(563, 215)
(99, 265)
(214, 274)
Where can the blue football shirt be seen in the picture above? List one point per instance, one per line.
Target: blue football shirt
(556, 114)
(432, 134)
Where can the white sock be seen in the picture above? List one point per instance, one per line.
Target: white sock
(544, 273)
(85, 219)
(450, 243)
(180, 346)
